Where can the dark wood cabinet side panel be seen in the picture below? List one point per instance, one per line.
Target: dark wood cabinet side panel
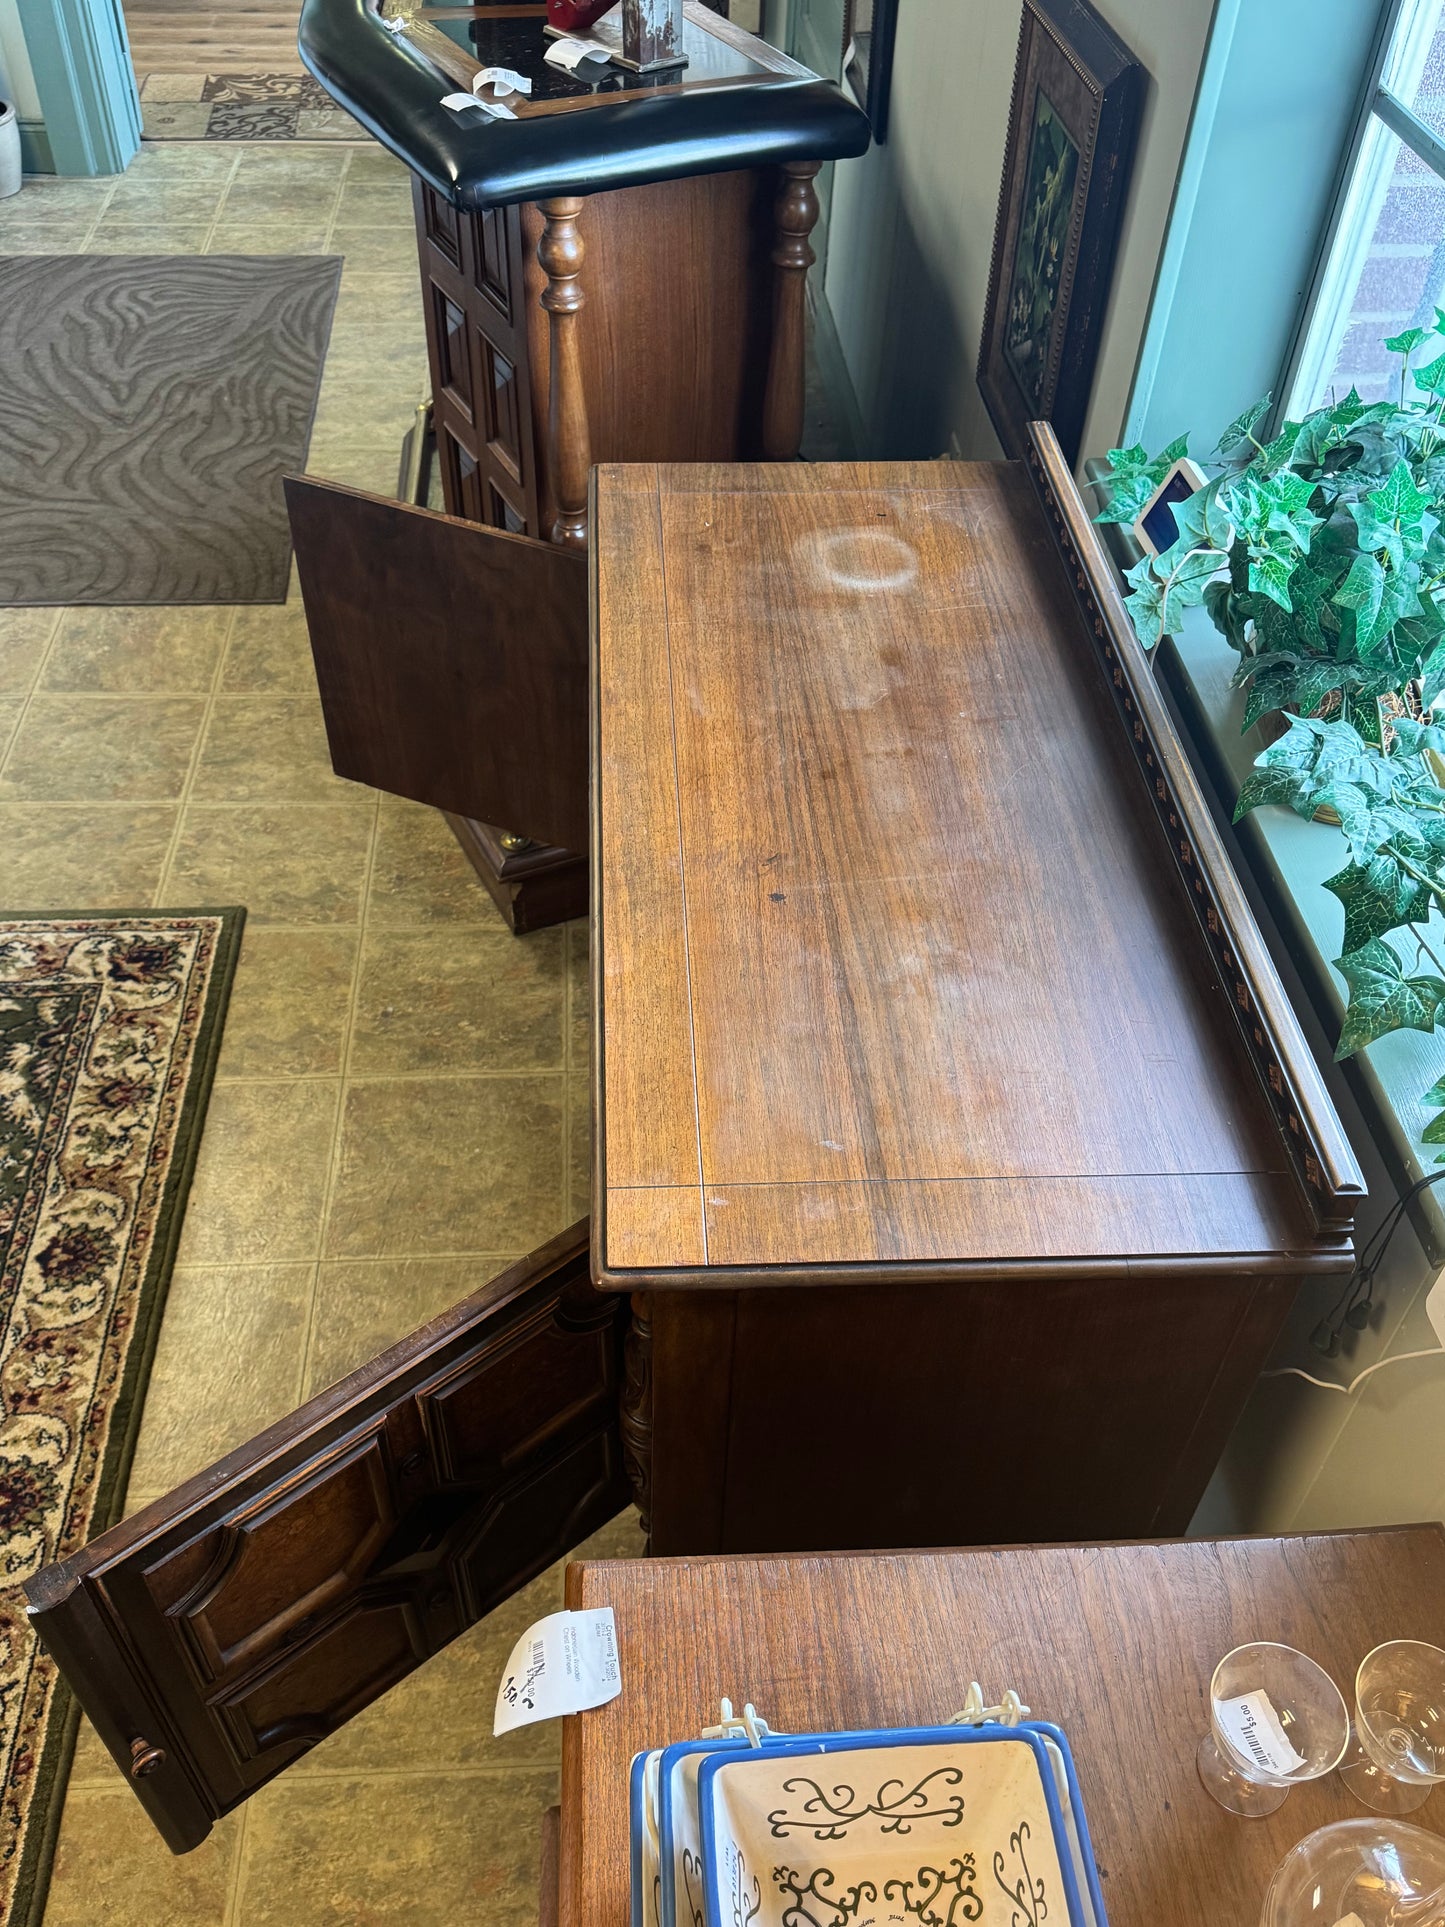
(977, 1414)
(675, 322)
(692, 1382)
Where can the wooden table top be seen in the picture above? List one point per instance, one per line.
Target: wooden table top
(893, 963)
(1115, 1643)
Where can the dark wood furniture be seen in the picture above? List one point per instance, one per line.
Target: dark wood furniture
(1116, 1643)
(661, 319)
(946, 1306)
(949, 1113)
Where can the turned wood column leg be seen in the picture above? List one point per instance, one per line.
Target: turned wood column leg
(794, 214)
(636, 1413)
(569, 448)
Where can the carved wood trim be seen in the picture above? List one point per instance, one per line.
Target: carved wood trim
(560, 253)
(636, 1407)
(1320, 1156)
(795, 213)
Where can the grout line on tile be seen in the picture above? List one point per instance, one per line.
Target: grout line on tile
(334, 1163)
(33, 690)
(387, 1077)
(301, 1264)
(231, 1913)
(207, 710)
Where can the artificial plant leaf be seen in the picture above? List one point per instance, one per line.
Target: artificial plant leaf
(1378, 896)
(1414, 738)
(1348, 411)
(1434, 1133)
(1435, 1096)
(1239, 429)
(1431, 378)
(1146, 603)
(1363, 590)
(1405, 343)
(1269, 574)
(1383, 998)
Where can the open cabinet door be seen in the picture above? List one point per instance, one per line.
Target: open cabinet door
(452, 658)
(223, 1631)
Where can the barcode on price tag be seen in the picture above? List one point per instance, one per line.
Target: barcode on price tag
(1253, 1729)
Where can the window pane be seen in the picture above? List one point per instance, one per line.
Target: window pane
(1415, 70)
(1386, 272)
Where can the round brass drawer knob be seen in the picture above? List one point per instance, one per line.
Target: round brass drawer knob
(145, 1758)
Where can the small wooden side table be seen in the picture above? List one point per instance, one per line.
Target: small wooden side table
(1116, 1643)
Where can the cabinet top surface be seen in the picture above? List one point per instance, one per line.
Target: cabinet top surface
(894, 967)
(738, 102)
(1114, 1643)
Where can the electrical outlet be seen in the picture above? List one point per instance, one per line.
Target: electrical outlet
(1435, 1307)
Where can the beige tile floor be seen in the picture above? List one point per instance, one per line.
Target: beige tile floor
(399, 1107)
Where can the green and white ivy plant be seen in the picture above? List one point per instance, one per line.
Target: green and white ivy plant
(1320, 556)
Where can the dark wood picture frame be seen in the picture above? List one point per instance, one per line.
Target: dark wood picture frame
(868, 30)
(1077, 96)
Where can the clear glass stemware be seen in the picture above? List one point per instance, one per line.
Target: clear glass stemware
(1276, 1719)
(1399, 1749)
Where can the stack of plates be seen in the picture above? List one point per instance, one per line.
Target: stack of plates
(940, 1824)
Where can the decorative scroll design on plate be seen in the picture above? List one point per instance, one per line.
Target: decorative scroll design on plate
(935, 1896)
(747, 1898)
(635, 1415)
(815, 1903)
(895, 1804)
(1212, 921)
(691, 1887)
(1026, 1894)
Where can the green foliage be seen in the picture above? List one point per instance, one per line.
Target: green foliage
(1392, 812)
(1434, 1131)
(1319, 554)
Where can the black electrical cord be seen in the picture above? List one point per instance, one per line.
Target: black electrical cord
(1356, 1301)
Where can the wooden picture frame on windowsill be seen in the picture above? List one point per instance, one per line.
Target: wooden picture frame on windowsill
(1073, 122)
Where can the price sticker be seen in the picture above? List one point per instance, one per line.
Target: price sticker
(566, 1663)
(1253, 1729)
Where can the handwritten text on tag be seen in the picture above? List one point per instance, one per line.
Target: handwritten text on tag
(564, 1664)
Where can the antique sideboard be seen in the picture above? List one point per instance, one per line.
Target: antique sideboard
(615, 274)
(958, 1154)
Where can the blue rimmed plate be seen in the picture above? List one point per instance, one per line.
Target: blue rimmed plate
(919, 1824)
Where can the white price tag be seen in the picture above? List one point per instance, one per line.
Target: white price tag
(493, 109)
(1252, 1727)
(502, 80)
(564, 1664)
(569, 53)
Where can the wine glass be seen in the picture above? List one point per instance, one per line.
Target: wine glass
(1380, 1873)
(1276, 1719)
(1399, 1726)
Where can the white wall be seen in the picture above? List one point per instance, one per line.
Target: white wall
(17, 82)
(912, 222)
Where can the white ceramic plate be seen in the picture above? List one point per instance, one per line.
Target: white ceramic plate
(927, 1824)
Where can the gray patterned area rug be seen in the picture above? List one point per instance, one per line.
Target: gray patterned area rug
(149, 406)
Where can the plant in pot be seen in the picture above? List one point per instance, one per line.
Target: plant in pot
(1319, 555)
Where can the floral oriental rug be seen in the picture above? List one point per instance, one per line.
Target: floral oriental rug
(109, 1029)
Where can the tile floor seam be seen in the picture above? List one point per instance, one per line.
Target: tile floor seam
(31, 692)
(214, 221)
(230, 1913)
(368, 1258)
(386, 1077)
(207, 710)
(333, 1167)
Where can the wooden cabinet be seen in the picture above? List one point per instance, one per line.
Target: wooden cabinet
(926, 1214)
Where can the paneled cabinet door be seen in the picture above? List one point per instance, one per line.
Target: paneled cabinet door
(223, 1631)
(451, 658)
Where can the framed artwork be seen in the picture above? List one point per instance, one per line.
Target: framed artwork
(868, 28)
(1077, 97)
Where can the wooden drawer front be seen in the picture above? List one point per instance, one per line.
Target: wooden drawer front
(453, 363)
(496, 239)
(461, 477)
(504, 514)
(503, 414)
(441, 224)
